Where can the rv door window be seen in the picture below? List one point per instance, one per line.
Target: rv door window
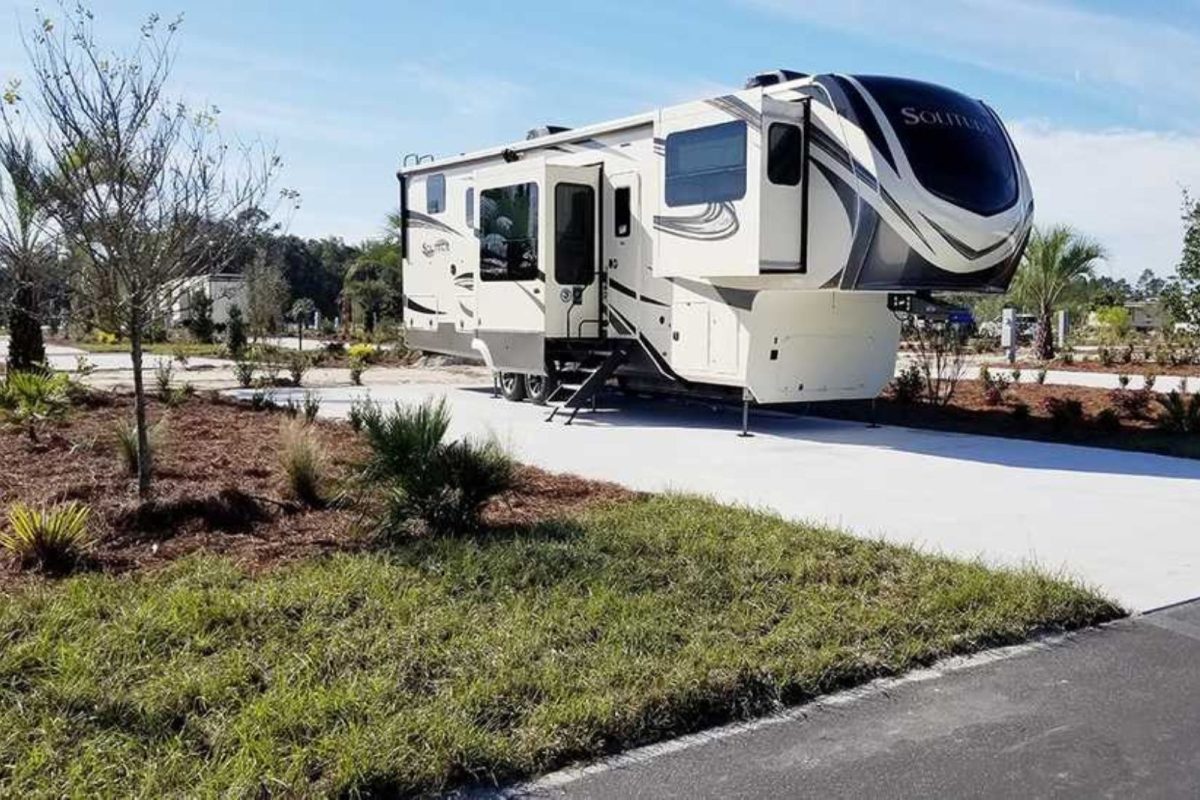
(784, 154)
(470, 207)
(621, 216)
(435, 194)
(574, 234)
(706, 165)
(508, 233)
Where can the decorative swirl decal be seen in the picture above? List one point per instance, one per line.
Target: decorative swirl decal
(717, 221)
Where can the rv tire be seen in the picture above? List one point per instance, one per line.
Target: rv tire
(512, 386)
(538, 388)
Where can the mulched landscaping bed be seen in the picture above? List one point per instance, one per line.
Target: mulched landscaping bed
(1079, 365)
(969, 412)
(218, 486)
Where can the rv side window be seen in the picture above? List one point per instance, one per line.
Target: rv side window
(508, 233)
(621, 218)
(435, 194)
(784, 154)
(574, 234)
(706, 165)
(470, 207)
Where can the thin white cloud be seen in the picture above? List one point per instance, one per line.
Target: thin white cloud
(1151, 64)
(1122, 187)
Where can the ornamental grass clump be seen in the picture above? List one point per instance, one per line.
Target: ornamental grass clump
(126, 438)
(304, 464)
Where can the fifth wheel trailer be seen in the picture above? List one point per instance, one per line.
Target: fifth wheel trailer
(758, 242)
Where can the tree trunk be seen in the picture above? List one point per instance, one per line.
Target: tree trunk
(1044, 339)
(26, 348)
(300, 332)
(139, 399)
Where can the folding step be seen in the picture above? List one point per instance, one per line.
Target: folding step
(596, 378)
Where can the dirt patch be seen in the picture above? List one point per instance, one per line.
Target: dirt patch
(1025, 413)
(218, 486)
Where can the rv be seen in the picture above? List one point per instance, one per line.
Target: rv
(763, 243)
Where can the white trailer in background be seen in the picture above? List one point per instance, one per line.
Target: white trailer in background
(758, 242)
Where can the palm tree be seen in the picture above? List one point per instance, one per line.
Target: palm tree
(1056, 267)
(28, 250)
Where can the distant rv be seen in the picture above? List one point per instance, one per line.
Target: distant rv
(757, 244)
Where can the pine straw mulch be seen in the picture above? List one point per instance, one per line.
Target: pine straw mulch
(218, 487)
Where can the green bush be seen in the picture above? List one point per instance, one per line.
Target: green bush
(447, 491)
(50, 538)
(358, 365)
(361, 411)
(312, 406)
(298, 364)
(1065, 413)
(404, 438)
(1108, 420)
(303, 462)
(162, 378)
(33, 398)
(908, 385)
(235, 332)
(1179, 413)
(1040, 376)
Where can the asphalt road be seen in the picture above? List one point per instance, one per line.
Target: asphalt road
(1113, 712)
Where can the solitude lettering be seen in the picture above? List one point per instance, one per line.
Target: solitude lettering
(945, 119)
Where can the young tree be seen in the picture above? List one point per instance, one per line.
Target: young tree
(28, 249)
(235, 332)
(1055, 268)
(266, 293)
(141, 185)
(199, 320)
(1182, 294)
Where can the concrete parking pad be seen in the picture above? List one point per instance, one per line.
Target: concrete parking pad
(1123, 522)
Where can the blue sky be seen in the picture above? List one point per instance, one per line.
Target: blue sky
(1102, 97)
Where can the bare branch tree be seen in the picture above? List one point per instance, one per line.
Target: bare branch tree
(144, 188)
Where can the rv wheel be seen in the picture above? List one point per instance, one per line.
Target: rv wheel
(538, 388)
(512, 386)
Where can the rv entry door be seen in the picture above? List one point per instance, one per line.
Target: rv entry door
(784, 186)
(573, 255)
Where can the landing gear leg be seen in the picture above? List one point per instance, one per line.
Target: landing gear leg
(745, 434)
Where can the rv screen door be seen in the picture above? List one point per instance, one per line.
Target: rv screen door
(784, 186)
(573, 256)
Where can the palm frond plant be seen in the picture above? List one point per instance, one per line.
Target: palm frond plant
(1056, 268)
(50, 538)
(35, 397)
(404, 437)
(1179, 412)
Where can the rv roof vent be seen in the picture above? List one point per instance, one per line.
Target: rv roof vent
(545, 130)
(773, 77)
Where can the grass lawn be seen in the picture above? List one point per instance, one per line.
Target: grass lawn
(448, 662)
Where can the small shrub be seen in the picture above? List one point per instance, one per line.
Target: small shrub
(291, 408)
(1068, 357)
(312, 406)
(1020, 412)
(303, 462)
(364, 412)
(994, 387)
(908, 385)
(404, 437)
(298, 364)
(33, 398)
(126, 437)
(243, 371)
(162, 378)
(985, 375)
(1106, 356)
(1065, 413)
(49, 538)
(362, 351)
(1126, 354)
(180, 355)
(83, 366)
(104, 337)
(1149, 380)
(357, 367)
(1179, 413)
(262, 400)
(1108, 420)
(1016, 375)
(1040, 376)
(1132, 403)
(447, 492)
(1123, 381)
(178, 395)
